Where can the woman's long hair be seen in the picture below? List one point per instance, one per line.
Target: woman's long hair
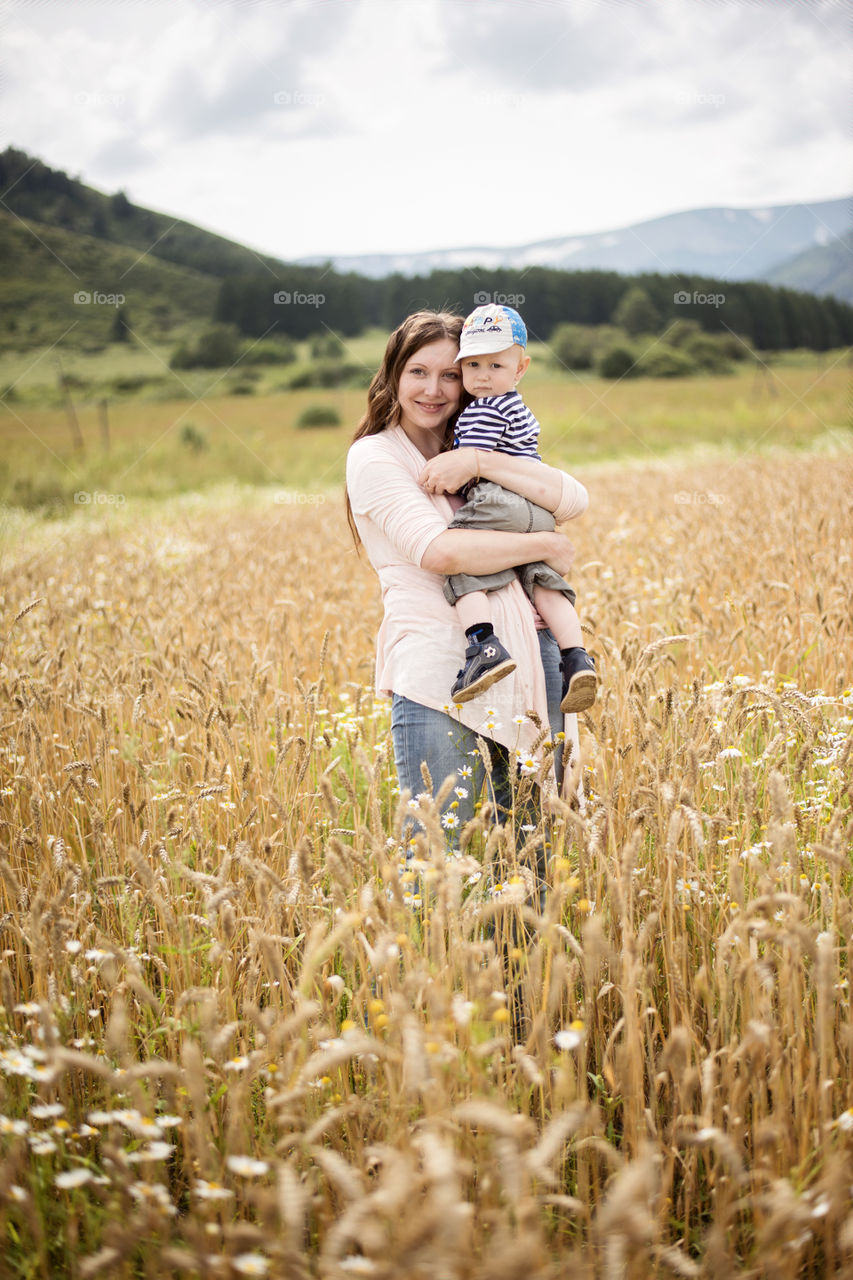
(383, 408)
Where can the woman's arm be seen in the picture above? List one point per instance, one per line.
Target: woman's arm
(489, 551)
(554, 490)
(387, 493)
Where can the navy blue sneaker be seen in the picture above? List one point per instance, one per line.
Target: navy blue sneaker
(486, 662)
(579, 680)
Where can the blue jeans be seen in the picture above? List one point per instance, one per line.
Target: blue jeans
(422, 735)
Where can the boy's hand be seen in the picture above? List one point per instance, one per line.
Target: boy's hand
(450, 471)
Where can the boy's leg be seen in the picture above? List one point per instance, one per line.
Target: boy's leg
(486, 662)
(486, 659)
(559, 613)
(578, 668)
(473, 609)
(491, 507)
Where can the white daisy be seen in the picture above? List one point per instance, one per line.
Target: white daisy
(246, 1167)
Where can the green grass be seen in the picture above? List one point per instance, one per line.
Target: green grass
(48, 266)
(175, 433)
(32, 376)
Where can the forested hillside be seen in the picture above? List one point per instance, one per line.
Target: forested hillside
(62, 241)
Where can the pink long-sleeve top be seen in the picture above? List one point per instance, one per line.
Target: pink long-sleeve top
(421, 643)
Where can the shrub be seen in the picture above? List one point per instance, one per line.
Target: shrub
(681, 331)
(120, 206)
(182, 357)
(328, 373)
(707, 353)
(618, 362)
(121, 326)
(665, 362)
(319, 415)
(34, 494)
(280, 351)
(636, 313)
(193, 438)
(326, 346)
(736, 347)
(216, 347)
(573, 346)
(130, 381)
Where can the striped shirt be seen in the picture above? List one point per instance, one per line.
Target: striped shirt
(502, 422)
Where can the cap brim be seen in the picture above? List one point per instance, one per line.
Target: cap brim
(472, 349)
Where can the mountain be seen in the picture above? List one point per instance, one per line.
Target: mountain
(726, 244)
(60, 284)
(32, 191)
(60, 239)
(824, 270)
(71, 257)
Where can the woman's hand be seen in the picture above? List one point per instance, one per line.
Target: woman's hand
(449, 472)
(561, 554)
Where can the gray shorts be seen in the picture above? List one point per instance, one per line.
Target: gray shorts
(490, 506)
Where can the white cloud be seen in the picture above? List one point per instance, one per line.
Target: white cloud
(432, 123)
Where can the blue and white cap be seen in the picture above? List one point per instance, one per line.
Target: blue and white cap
(491, 328)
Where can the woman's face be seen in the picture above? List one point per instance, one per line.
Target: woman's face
(430, 387)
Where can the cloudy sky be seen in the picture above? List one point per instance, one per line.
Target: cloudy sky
(353, 126)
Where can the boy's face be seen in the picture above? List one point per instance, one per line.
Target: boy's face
(495, 372)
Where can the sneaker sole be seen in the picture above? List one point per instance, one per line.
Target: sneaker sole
(486, 680)
(580, 694)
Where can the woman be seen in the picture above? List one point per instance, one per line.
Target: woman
(399, 476)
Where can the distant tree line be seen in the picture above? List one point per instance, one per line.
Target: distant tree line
(298, 301)
(302, 300)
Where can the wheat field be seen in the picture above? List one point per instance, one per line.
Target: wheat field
(243, 1035)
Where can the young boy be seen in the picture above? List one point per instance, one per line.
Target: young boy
(493, 360)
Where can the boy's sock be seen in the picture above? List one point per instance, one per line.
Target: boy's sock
(479, 632)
